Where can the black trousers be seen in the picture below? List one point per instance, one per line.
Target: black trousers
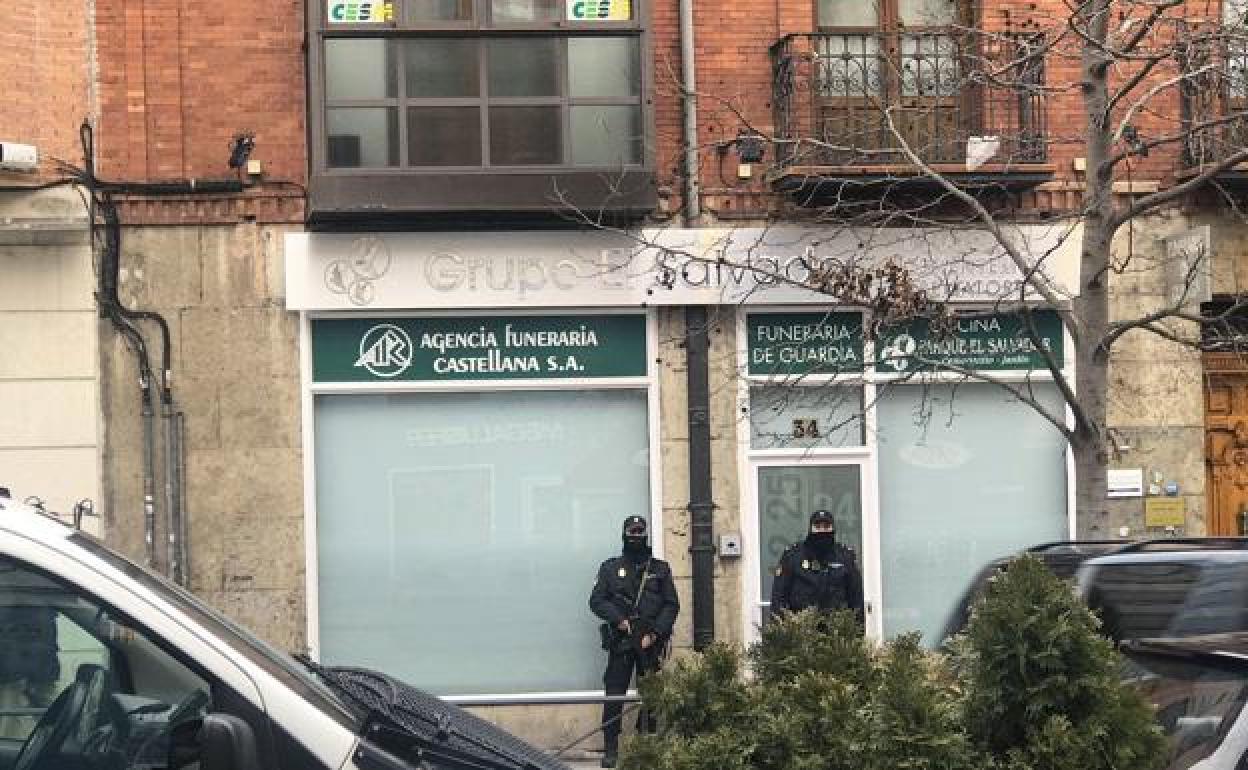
(621, 663)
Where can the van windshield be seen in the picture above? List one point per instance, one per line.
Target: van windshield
(280, 665)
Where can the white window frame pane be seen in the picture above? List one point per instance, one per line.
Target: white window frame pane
(837, 410)
(350, 62)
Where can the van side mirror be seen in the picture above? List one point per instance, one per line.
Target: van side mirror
(227, 743)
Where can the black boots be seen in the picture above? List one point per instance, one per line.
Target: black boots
(610, 750)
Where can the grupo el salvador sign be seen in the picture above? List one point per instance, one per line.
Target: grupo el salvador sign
(383, 271)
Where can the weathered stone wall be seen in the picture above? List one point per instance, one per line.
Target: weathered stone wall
(49, 364)
(1229, 245)
(1156, 397)
(674, 435)
(236, 378)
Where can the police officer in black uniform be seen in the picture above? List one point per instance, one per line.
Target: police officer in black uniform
(635, 597)
(818, 572)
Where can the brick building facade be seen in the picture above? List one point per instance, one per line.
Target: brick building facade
(278, 287)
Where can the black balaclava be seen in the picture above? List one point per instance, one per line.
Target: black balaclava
(822, 543)
(636, 541)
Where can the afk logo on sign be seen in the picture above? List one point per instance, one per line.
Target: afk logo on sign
(600, 10)
(360, 11)
(385, 351)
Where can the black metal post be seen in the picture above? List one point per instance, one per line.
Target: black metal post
(701, 506)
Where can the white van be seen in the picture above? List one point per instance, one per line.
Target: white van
(105, 666)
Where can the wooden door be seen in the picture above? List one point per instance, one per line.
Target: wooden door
(1226, 441)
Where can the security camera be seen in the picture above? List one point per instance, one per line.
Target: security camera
(18, 157)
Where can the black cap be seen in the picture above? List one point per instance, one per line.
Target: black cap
(822, 517)
(635, 521)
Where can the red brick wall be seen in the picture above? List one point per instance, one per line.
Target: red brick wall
(179, 78)
(734, 85)
(733, 74)
(44, 66)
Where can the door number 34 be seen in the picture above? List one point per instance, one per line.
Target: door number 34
(805, 428)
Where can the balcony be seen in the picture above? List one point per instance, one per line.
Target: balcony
(969, 106)
(1213, 108)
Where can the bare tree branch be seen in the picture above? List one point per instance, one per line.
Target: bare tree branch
(1158, 199)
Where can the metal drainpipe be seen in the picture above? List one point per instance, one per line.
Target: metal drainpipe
(701, 506)
(172, 514)
(183, 573)
(149, 473)
(689, 99)
(166, 427)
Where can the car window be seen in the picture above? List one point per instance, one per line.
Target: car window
(1162, 598)
(29, 667)
(246, 644)
(1196, 706)
(80, 687)
(1141, 600)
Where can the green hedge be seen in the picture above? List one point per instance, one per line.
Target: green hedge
(1031, 685)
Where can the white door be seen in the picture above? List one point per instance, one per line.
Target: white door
(787, 488)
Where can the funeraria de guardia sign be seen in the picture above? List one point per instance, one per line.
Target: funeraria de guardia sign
(804, 343)
(797, 344)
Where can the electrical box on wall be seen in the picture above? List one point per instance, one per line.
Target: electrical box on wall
(730, 544)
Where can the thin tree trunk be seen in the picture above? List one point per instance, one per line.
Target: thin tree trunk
(1089, 445)
(1091, 461)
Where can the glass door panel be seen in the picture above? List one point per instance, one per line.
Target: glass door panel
(788, 494)
(927, 13)
(848, 13)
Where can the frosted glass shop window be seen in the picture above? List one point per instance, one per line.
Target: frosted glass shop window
(966, 475)
(459, 533)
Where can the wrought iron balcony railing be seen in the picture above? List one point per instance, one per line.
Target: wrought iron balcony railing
(1213, 100)
(952, 97)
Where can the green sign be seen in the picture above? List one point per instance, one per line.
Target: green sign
(360, 11)
(486, 348)
(804, 343)
(600, 10)
(981, 342)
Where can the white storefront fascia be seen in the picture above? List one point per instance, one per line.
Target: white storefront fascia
(328, 272)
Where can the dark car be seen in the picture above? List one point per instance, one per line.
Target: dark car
(1062, 557)
(1173, 587)
(1199, 686)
